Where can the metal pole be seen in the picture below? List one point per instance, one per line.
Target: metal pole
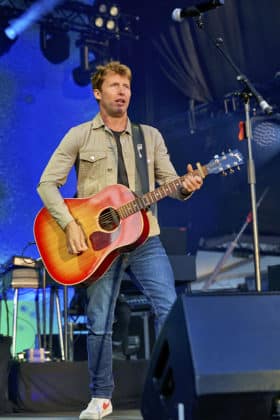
(65, 304)
(15, 313)
(252, 184)
(58, 311)
(44, 303)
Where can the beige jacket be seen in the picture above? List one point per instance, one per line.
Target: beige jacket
(92, 144)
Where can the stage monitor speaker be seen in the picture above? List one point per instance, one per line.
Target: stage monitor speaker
(273, 274)
(217, 358)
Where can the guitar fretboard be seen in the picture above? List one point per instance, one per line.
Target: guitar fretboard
(141, 203)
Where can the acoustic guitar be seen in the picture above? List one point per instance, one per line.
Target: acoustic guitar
(113, 220)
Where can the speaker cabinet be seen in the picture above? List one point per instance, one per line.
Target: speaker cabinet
(273, 274)
(217, 358)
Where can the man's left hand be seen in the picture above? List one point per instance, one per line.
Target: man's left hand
(192, 181)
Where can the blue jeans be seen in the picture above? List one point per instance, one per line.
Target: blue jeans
(151, 270)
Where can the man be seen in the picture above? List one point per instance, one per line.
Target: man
(104, 154)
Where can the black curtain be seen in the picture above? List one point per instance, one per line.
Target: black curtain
(250, 33)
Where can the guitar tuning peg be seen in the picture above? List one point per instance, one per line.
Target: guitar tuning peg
(216, 156)
(224, 173)
(238, 168)
(231, 171)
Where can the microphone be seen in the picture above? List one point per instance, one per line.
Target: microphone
(263, 104)
(267, 109)
(178, 15)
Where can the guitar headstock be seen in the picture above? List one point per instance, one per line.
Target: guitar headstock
(226, 162)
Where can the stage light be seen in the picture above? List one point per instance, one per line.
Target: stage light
(114, 11)
(99, 22)
(55, 44)
(30, 16)
(92, 54)
(266, 137)
(13, 29)
(81, 74)
(81, 77)
(102, 8)
(106, 18)
(111, 25)
(5, 42)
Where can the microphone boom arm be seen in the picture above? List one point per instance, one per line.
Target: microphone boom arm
(249, 87)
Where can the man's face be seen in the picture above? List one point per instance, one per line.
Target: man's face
(114, 95)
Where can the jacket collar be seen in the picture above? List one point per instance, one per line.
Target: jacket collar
(98, 122)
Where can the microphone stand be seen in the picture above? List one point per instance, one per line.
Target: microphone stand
(248, 91)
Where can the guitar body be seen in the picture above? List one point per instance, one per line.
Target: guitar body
(104, 244)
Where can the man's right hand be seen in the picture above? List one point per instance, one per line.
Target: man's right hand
(75, 238)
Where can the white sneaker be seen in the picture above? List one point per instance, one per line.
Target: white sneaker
(97, 409)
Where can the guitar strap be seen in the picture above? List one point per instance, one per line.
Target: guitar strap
(141, 158)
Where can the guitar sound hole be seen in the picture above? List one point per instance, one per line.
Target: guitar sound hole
(109, 219)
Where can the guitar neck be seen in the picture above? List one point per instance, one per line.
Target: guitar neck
(149, 198)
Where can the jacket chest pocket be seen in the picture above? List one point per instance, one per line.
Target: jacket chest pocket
(92, 172)
(92, 164)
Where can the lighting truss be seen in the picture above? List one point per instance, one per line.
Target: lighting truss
(72, 16)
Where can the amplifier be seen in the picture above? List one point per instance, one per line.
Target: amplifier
(184, 267)
(273, 274)
(21, 278)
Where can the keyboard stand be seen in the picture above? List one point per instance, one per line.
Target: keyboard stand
(32, 275)
(15, 318)
(54, 297)
(21, 279)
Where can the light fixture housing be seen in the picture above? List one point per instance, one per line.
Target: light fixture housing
(54, 44)
(106, 18)
(92, 54)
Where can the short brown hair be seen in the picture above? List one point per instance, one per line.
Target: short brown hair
(98, 77)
